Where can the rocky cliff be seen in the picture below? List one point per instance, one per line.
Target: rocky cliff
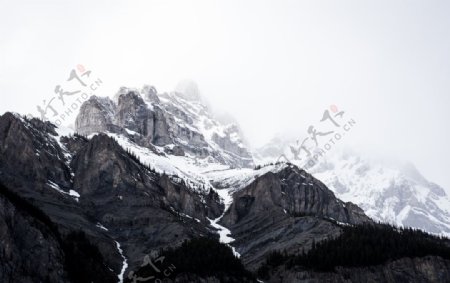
(285, 209)
(94, 187)
(178, 121)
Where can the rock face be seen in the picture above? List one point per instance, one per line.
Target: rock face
(178, 118)
(24, 146)
(161, 131)
(295, 191)
(115, 189)
(93, 186)
(388, 191)
(150, 94)
(285, 210)
(97, 116)
(31, 253)
(133, 114)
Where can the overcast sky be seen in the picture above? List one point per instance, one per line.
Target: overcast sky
(274, 65)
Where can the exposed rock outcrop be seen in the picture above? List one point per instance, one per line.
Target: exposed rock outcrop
(286, 210)
(295, 191)
(132, 113)
(167, 119)
(96, 115)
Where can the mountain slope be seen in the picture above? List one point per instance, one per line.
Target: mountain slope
(96, 187)
(281, 207)
(393, 192)
(156, 175)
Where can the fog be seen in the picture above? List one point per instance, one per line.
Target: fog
(274, 65)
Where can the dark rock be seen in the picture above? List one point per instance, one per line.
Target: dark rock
(133, 114)
(415, 270)
(282, 211)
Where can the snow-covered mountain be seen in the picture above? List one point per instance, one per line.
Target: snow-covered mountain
(154, 170)
(176, 123)
(120, 200)
(176, 133)
(393, 192)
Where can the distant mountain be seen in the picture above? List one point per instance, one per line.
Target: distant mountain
(392, 192)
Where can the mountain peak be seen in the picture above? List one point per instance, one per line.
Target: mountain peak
(177, 121)
(388, 190)
(188, 89)
(150, 93)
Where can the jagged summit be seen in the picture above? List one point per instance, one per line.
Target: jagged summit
(189, 90)
(179, 122)
(389, 192)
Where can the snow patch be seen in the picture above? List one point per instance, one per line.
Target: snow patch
(223, 231)
(125, 262)
(99, 225)
(56, 187)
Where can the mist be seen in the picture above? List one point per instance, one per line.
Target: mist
(275, 66)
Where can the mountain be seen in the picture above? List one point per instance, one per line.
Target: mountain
(92, 189)
(179, 124)
(280, 207)
(388, 191)
(152, 186)
(101, 194)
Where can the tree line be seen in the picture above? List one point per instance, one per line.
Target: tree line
(360, 246)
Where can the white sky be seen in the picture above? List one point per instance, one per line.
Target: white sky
(274, 65)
